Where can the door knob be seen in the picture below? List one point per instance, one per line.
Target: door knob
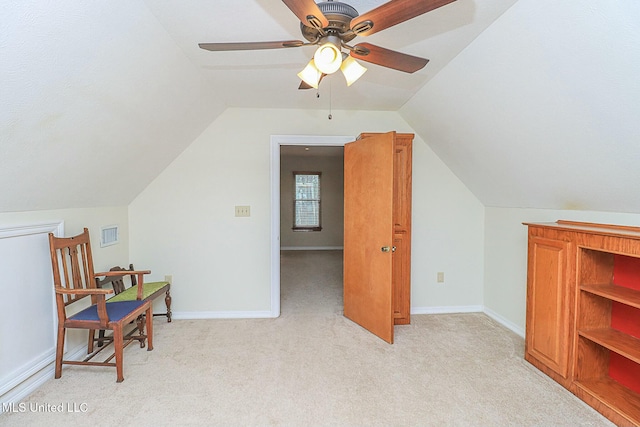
(388, 249)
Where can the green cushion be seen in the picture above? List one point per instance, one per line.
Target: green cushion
(131, 293)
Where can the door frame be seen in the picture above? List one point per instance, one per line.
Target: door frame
(276, 142)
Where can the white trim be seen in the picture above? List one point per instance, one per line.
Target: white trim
(276, 142)
(198, 315)
(447, 309)
(35, 377)
(471, 309)
(311, 248)
(40, 369)
(504, 321)
(39, 363)
(57, 228)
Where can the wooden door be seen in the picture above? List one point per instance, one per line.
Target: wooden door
(369, 233)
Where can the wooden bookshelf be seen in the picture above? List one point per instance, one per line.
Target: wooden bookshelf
(594, 318)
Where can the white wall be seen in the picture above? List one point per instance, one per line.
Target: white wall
(26, 366)
(74, 222)
(505, 280)
(332, 201)
(183, 223)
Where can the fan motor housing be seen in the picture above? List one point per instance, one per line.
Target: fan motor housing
(339, 16)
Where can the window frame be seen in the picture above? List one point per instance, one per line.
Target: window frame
(319, 200)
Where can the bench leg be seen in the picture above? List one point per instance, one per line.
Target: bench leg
(149, 318)
(167, 301)
(140, 326)
(101, 337)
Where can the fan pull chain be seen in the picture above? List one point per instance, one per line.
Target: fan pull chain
(330, 115)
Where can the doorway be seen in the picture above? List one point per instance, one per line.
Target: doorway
(276, 142)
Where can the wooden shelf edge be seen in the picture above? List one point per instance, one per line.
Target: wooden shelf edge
(616, 341)
(623, 231)
(616, 293)
(621, 405)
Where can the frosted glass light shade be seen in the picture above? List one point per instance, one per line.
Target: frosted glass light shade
(351, 70)
(328, 58)
(311, 75)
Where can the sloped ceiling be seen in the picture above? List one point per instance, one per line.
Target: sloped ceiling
(532, 103)
(96, 99)
(541, 110)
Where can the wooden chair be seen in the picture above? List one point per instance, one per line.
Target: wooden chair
(74, 279)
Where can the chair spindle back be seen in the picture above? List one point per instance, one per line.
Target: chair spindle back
(72, 265)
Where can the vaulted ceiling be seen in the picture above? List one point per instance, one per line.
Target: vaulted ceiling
(531, 103)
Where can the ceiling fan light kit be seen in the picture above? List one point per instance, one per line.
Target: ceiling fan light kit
(331, 25)
(328, 56)
(351, 69)
(311, 75)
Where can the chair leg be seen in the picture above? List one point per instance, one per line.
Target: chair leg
(118, 346)
(92, 335)
(59, 351)
(149, 317)
(167, 301)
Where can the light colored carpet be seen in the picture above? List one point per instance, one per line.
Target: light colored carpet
(313, 367)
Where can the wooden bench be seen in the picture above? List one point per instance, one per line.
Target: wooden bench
(149, 291)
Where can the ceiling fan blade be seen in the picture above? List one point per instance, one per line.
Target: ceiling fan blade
(308, 13)
(388, 58)
(391, 13)
(250, 45)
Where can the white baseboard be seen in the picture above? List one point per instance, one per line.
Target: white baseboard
(34, 377)
(503, 321)
(447, 310)
(470, 309)
(311, 248)
(194, 315)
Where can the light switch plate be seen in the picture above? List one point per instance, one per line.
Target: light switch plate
(243, 210)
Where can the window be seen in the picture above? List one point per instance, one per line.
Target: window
(306, 201)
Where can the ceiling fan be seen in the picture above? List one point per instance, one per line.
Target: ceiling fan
(331, 25)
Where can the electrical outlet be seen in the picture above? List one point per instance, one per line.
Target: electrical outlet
(440, 277)
(243, 210)
(168, 278)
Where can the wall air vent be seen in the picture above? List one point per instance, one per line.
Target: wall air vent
(109, 235)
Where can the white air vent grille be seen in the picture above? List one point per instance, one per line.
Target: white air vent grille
(109, 235)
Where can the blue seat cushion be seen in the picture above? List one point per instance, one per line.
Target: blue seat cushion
(115, 311)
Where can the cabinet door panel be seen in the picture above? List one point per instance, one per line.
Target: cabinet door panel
(547, 316)
(402, 279)
(402, 170)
